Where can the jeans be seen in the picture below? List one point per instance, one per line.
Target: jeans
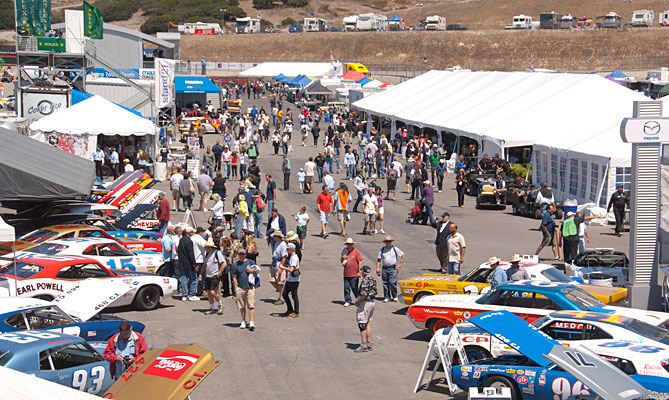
(162, 226)
(581, 244)
(350, 171)
(290, 288)
(258, 225)
(187, 201)
(239, 225)
(284, 146)
(328, 163)
(389, 278)
(453, 267)
(210, 170)
(286, 180)
(350, 284)
(270, 204)
(188, 290)
(428, 214)
(242, 170)
(440, 182)
(319, 171)
(358, 200)
(381, 170)
(227, 171)
(461, 195)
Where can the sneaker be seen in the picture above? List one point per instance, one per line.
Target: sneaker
(209, 311)
(193, 298)
(385, 300)
(383, 232)
(347, 304)
(279, 302)
(252, 326)
(376, 231)
(361, 349)
(242, 325)
(462, 206)
(369, 347)
(326, 235)
(204, 209)
(395, 299)
(184, 298)
(294, 315)
(220, 310)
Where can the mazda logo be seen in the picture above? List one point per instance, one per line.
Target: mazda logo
(651, 128)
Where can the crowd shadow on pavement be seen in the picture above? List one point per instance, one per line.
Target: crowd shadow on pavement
(337, 302)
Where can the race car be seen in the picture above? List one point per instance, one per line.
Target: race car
(56, 357)
(106, 251)
(47, 277)
(76, 231)
(475, 282)
(118, 232)
(211, 125)
(544, 369)
(528, 299)
(600, 264)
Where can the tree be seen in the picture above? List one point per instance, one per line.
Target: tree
(233, 12)
(288, 21)
(295, 3)
(117, 10)
(262, 4)
(264, 24)
(158, 24)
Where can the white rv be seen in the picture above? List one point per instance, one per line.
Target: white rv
(372, 22)
(314, 24)
(200, 28)
(643, 18)
(522, 21)
(612, 20)
(435, 23)
(350, 23)
(247, 25)
(664, 18)
(567, 21)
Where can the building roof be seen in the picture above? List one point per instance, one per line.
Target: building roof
(129, 32)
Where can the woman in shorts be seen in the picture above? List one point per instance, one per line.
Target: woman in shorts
(302, 219)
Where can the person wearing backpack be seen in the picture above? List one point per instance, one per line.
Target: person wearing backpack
(390, 259)
(214, 265)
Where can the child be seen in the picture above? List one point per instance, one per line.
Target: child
(302, 219)
(300, 179)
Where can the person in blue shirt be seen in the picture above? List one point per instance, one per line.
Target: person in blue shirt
(548, 231)
(498, 275)
(168, 249)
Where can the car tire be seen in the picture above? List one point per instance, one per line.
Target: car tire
(476, 353)
(438, 323)
(147, 298)
(44, 297)
(498, 381)
(420, 295)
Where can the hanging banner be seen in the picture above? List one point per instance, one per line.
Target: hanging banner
(34, 16)
(93, 24)
(164, 85)
(51, 44)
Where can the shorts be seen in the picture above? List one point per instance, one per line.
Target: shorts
(547, 240)
(392, 184)
(325, 216)
(370, 217)
(176, 194)
(342, 215)
(245, 298)
(309, 179)
(302, 232)
(211, 283)
(273, 272)
(365, 311)
(204, 194)
(381, 210)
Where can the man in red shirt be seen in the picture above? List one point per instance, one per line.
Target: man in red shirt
(163, 212)
(324, 201)
(351, 260)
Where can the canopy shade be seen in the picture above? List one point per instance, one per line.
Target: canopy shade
(279, 77)
(300, 80)
(94, 116)
(354, 76)
(317, 88)
(364, 81)
(78, 97)
(7, 232)
(30, 170)
(195, 84)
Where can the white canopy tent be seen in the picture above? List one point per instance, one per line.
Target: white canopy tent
(7, 233)
(293, 69)
(571, 120)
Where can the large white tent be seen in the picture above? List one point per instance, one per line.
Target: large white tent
(293, 69)
(571, 120)
(7, 233)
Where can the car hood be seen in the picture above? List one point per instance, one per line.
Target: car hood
(91, 296)
(446, 300)
(433, 278)
(656, 318)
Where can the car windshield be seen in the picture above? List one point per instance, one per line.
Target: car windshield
(648, 331)
(47, 248)
(5, 356)
(582, 299)
(23, 269)
(538, 323)
(554, 275)
(488, 297)
(39, 236)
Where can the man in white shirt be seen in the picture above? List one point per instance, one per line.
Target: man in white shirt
(198, 251)
(369, 207)
(175, 180)
(99, 159)
(113, 163)
(309, 172)
(128, 167)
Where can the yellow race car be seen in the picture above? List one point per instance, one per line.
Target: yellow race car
(474, 283)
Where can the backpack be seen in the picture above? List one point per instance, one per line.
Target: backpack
(252, 152)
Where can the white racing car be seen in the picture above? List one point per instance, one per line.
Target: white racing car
(600, 265)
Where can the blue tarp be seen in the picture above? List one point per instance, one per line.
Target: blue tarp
(78, 97)
(396, 19)
(617, 74)
(300, 80)
(195, 84)
(364, 81)
(279, 77)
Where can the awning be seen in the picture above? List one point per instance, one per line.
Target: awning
(300, 80)
(317, 88)
(30, 170)
(363, 81)
(354, 76)
(78, 97)
(279, 77)
(195, 84)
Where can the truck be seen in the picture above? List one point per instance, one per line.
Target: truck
(372, 22)
(247, 25)
(664, 18)
(643, 18)
(611, 20)
(358, 67)
(350, 23)
(549, 20)
(200, 28)
(315, 24)
(522, 21)
(435, 23)
(567, 22)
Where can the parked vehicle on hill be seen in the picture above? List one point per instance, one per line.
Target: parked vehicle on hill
(295, 28)
(549, 20)
(397, 24)
(247, 25)
(643, 18)
(372, 22)
(585, 22)
(357, 67)
(522, 21)
(315, 24)
(200, 28)
(435, 23)
(611, 20)
(567, 22)
(664, 18)
(350, 23)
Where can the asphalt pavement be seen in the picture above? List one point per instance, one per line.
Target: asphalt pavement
(312, 356)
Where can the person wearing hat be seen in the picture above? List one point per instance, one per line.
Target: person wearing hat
(515, 273)
(329, 156)
(187, 266)
(441, 241)
(568, 235)
(619, 200)
(351, 260)
(123, 349)
(365, 311)
(127, 166)
(243, 289)
(390, 259)
(292, 282)
(294, 238)
(498, 275)
(279, 257)
(213, 267)
(300, 179)
(163, 212)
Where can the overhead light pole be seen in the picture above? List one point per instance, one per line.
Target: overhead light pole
(223, 11)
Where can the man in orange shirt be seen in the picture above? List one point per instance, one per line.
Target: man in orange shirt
(324, 202)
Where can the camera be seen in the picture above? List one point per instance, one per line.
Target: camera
(128, 359)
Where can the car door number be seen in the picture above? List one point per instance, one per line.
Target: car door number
(80, 379)
(126, 263)
(27, 337)
(562, 389)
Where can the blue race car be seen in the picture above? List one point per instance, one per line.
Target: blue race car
(545, 369)
(56, 357)
(18, 313)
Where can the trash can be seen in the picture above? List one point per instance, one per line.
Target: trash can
(600, 279)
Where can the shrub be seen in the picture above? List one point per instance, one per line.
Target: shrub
(295, 3)
(264, 24)
(117, 10)
(7, 15)
(158, 24)
(520, 171)
(288, 21)
(234, 12)
(262, 4)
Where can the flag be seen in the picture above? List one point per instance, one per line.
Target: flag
(164, 81)
(34, 16)
(93, 24)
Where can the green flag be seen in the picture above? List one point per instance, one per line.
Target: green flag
(34, 16)
(92, 21)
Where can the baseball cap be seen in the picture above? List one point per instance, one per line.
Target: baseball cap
(199, 229)
(124, 326)
(241, 251)
(570, 213)
(291, 246)
(366, 269)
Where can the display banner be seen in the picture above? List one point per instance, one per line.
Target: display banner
(34, 16)
(164, 75)
(93, 24)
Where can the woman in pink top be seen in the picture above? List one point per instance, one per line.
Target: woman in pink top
(226, 157)
(233, 162)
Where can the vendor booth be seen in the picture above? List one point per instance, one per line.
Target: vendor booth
(196, 89)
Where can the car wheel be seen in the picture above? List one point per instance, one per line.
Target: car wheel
(44, 297)
(420, 295)
(499, 382)
(475, 353)
(147, 298)
(438, 323)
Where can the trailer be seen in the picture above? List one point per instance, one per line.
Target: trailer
(567, 22)
(247, 25)
(350, 23)
(664, 18)
(435, 23)
(315, 24)
(549, 20)
(643, 18)
(372, 22)
(522, 21)
(611, 20)
(200, 28)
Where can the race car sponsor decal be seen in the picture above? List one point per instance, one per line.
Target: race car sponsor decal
(38, 287)
(510, 371)
(563, 389)
(637, 349)
(475, 339)
(520, 372)
(530, 373)
(466, 369)
(464, 374)
(528, 390)
(477, 374)
(403, 283)
(542, 380)
(171, 364)
(467, 314)
(653, 370)
(408, 290)
(522, 379)
(457, 312)
(91, 333)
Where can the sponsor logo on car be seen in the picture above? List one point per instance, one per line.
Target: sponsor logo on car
(171, 364)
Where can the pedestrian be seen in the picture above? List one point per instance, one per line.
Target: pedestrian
(199, 239)
(113, 162)
(276, 222)
(309, 171)
(175, 181)
(360, 186)
(220, 187)
(370, 209)
(242, 211)
(568, 235)
(461, 187)
(217, 150)
(99, 159)
(276, 142)
(351, 260)
(213, 267)
(292, 271)
(498, 275)
(187, 266)
(187, 191)
(279, 257)
(300, 179)
(270, 195)
(427, 198)
(619, 200)
(168, 244)
(583, 236)
(441, 172)
(244, 290)
(257, 208)
(302, 219)
(285, 168)
(391, 182)
(515, 273)
(380, 210)
(315, 132)
(342, 200)
(324, 202)
(163, 212)
(127, 166)
(217, 209)
(365, 311)
(123, 349)
(328, 180)
(208, 160)
(548, 232)
(390, 260)
(456, 249)
(349, 164)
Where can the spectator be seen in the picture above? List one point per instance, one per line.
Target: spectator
(167, 241)
(242, 211)
(285, 168)
(351, 260)
(461, 187)
(187, 266)
(390, 259)
(275, 223)
(320, 162)
(427, 197)
(279, 257)
(370, 208)
(583, 237)
(548, 232)
(515, 273)
(300, 179)
(208, 160)
(349, 164)
(175, 181)
(391, 181)
(329, 181)
(441, 172)
(441, 241)
(292, 270)
(569, 234)
(187, 190)
(245, 291)
(380, 210)
(123, 349)
(342, 200)
(360, 186)
(544, 197)
(618, 201)
(163, 212)
(309, 171)
(365, 311)
(257, 208)
(302, 219)
(220, 187)
(213, 267)
(498, 275)
(271, 192)
(456, 249)
(204, 184)
(217, 209)
(324, 201)
(217, 150)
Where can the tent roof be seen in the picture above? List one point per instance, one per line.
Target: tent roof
(278, 77)
(372, 84)
(515, 108)
(195, 84)
(617, 74)
(354, 76)
(289, 69)
(300, 80)
(95, 116)
(78, 97)
(395, 18)
(363, 81)
(7, 232)
(31, 170)
(317, 88)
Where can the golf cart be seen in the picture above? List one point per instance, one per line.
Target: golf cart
(489, 197)
(523, 199)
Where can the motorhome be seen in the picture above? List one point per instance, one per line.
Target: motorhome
(314, 24)
(522, 21)
(435, 23)
(372, 22)
(247, 25)
(567, 22)
(664, 18)
(612, 20)
(200, 28)
(643, 18)
(549, 20)
(350, 23)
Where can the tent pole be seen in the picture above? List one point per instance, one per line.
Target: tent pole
(601, 186)
(16, 285)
